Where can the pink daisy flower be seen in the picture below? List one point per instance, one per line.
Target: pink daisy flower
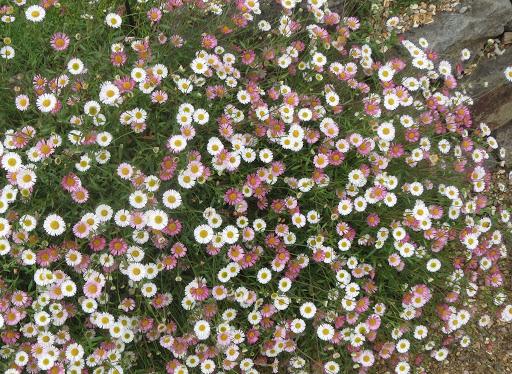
(248, 57)
(81, 229)
(59, 41)
(208, 41)
(154, 15)
(159, 97)
(92, 289)
(118, 58)
(373, 220)
(80, 195)
(125, 84)
(97, 243)
(173, 227)
(117, 247)
(200, 292)
(233, 196)
(169, 262)
(71, 182)
(179, 250)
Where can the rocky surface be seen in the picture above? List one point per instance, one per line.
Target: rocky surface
(471, 26)
(492, 93)
(485, 28)
(504, 138)
(474, 22)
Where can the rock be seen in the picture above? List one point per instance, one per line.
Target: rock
(491, 92)
(508, 26)
(504, 137)
(507, 38)
(464, 9)
(451, 32)
(470, 27)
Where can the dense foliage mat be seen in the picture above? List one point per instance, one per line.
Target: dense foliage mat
(235, 186)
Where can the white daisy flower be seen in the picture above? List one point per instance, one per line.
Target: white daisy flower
(357, 178)
(391, 101)
(325, 332)
(202, 329)
(54, 225)
(139, 115)
(103, 212)
(157, 219)
(11, 162)
(386, 73)
(203, 234)
(305, 114)
(75, 66)
(148, 289)
(318, 59)
(22, 102)
(35, 13)
(46, 102)
(103, 139)
(5, 227)
(186, 180)
(184, 85)
(113, 20)
(138, 75)
(332, 98)
(402, 346)
(264, 275)
(386, 131)
(230, 234)
(7, 52)
(201, 116)
(109, 93)
(160, 70)
(262, 113)
(307, 310)
(138, 199)
(171, 199)
(243, 97)
(402, 368)
(177, 143)
(199, 66)
(345, 207)
(135, 271)
(508, 73)
(45, 361)
(297, 326)
(5, 246)
(465, 54)
(28, 222)
(433, 265)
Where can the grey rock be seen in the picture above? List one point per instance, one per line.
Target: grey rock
(464, 9)
(508, 26)
(491, 91)
(451, 32)
(475, 22)
(504, 137)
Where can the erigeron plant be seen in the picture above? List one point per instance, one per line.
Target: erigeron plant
(236, 186)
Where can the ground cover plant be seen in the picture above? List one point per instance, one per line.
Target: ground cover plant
(236, 186)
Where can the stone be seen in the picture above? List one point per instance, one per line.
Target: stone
(464, 9)
(453, 31)
(507, 38)
(491, 91)
(504, 137)
(475, 22)
(508, 26)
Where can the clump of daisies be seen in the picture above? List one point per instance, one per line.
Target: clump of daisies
(265, 193)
